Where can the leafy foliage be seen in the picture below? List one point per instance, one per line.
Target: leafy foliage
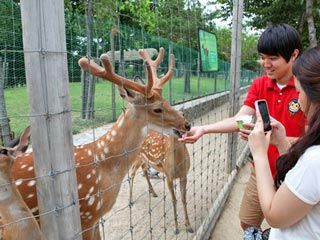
(260, 14)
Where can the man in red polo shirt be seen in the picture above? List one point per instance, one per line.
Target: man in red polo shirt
(278, 47)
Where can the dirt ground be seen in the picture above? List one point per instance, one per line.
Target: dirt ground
(228, 226)
(152, 218)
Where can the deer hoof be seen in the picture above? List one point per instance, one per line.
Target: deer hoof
(177, 231)
(154, 195)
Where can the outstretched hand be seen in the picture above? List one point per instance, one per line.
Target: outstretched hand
(244, 132)
(193, 135)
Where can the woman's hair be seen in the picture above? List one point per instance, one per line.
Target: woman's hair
(307, 71)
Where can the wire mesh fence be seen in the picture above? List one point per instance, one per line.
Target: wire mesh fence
(188, 82)
(142, 217)
(149, 217)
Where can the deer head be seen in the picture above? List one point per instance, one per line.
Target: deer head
(157, 111)
(12, 206)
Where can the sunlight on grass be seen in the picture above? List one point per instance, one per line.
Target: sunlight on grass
(18, 106)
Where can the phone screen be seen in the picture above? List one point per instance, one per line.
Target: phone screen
(265, 115)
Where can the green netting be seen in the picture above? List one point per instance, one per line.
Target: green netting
(187, 83)
(128, 38)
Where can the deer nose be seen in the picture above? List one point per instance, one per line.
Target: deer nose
(181, 113)
(188, 126)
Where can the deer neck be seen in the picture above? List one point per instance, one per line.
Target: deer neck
(5, 186)
(123, 141)
(11, 200)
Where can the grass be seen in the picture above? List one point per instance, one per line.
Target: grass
(17, 105)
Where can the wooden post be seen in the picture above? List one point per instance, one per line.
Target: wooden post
(91, 83)
(235, 74)
(4, 121)
(113, 60)
(45, 54)
(187, 73)
(198, 73)
(84, 93)
(170, 81)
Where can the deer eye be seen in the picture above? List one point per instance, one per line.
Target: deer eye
(158, 110)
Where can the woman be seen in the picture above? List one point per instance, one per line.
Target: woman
(293, 209)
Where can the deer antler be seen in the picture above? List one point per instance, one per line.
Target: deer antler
(158, 83)
(108, 74)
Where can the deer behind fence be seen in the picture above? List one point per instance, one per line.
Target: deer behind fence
(16, 219)
(101, 165)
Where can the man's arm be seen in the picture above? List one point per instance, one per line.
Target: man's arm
(227, 125)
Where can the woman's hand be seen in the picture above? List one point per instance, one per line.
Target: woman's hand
(193, 135)
(258, 140)
(278, 134)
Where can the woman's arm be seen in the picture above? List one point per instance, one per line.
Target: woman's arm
(282, 208)
(285, 208)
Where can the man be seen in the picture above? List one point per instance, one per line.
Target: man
(278, 47)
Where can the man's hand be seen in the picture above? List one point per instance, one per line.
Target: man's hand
(193, 135)
(244, 132)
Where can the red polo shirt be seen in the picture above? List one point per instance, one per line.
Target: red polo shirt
(283, 106)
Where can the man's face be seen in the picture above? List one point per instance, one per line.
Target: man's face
(275, 67)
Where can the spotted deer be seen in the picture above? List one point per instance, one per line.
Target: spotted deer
(16, 219)
(101, 165)
(169, 156)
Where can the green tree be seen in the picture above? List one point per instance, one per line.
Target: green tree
(11, 47)
(260, 14)
(249, 54)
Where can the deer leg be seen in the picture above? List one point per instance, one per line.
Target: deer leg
(96, 233)
(174, 202)
(183, 191)
(145, 172)
(133, 171)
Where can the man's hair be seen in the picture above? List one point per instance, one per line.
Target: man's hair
(281, 39)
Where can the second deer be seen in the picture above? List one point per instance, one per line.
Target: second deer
(16, 219)
(169, 156)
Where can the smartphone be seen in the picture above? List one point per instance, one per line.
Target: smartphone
(263, 109)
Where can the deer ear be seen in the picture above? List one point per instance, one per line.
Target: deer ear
(138, 79)
(20, 144)
(14, 153)
(127, 93)
(24, 141)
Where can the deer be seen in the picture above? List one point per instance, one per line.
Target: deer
(16, 219)
(102, 165)
(169, 156)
